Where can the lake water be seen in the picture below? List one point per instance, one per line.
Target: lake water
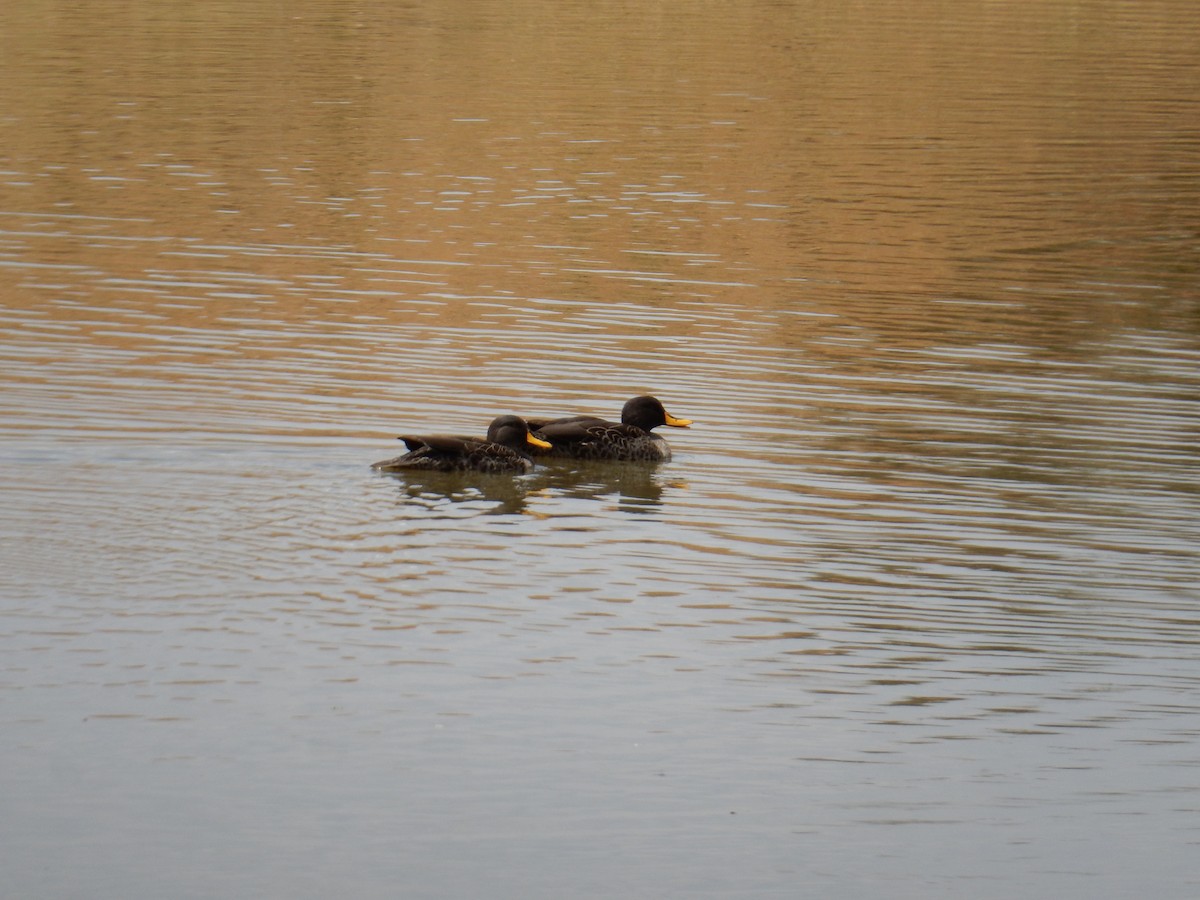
(914, 611)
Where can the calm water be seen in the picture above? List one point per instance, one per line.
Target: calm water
(913, 613)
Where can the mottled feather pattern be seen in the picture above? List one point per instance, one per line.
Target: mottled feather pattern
(590, 437)
(597, 439)
(502, 451)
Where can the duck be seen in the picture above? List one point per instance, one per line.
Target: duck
(591, 437)
(504, 450)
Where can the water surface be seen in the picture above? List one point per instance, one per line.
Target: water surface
(912, 611)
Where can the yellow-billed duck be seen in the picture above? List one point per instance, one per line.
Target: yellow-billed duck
(590, 437)
(506, 449)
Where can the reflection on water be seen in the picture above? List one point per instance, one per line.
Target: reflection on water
(440, 493)
(914, 606)
(632, 487)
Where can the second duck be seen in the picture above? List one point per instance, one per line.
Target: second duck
(590, 437)
(505, 449)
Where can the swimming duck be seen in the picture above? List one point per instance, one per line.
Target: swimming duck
(506, 449)
(590, 437)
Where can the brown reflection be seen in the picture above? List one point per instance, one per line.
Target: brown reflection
(211, 183)
(888, 156)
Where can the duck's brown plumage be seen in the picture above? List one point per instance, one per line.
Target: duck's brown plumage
(505, 449)
(590, 437)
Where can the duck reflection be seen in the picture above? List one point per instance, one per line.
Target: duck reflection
(458, 492)
(637, 487)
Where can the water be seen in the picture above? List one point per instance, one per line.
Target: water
(913, 610)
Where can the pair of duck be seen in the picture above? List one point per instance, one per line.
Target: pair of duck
(511, 442)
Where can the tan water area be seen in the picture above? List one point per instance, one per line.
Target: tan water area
(913, 612)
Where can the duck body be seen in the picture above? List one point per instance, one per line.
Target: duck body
(590, 437)
(504, 450)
